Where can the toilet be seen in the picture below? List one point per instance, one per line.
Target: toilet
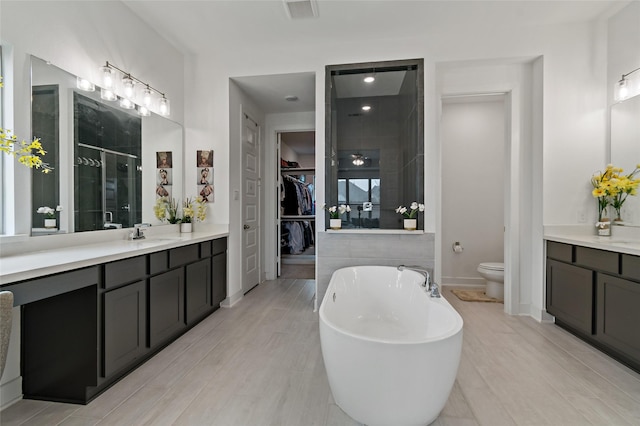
(493, 273)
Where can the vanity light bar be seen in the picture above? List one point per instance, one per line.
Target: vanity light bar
(625, 88)
(128, 85)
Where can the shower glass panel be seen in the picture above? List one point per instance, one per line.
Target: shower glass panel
(107, 189)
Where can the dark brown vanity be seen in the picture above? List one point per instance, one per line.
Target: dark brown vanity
(595, 294)
(85, 329)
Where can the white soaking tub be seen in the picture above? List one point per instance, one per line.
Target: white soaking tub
(390, 350)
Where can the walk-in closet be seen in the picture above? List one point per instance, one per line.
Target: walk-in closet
(297, 201)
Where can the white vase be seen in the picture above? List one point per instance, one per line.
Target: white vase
(410, 224)
(50, 223)
(335, 223)
(186, 227)
(603, 227)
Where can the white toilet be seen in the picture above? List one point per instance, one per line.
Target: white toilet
(493, 273)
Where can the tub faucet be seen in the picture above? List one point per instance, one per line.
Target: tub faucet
(429, 286)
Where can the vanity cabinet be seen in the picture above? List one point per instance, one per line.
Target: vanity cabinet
(166, 306)
(595, 294)
(198, 290)
(570, 296)
(618, 316)
(125, 331)
(85, 329)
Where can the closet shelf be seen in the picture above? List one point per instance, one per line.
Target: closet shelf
(298, 217)
(297, 171)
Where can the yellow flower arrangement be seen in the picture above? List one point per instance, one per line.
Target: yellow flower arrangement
(166, 209)
(27, 153)
(612, 187)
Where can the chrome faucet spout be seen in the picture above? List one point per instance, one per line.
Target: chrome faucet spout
(430, 287)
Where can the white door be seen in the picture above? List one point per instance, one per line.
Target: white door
(250, 204)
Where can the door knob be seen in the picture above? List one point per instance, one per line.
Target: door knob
(247, 227)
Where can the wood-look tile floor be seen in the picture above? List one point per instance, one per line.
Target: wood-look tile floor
(259, 363)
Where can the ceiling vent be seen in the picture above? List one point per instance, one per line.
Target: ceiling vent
(301, 9)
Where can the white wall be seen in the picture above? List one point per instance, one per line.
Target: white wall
(473, 173)
(573, 93)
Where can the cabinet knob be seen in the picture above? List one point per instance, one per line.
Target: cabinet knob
(247, 227)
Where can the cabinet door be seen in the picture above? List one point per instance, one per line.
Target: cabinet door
(125, 326)
(166, 306)
(619, 315)
(218, 279)
(198, 290)
(570, 293)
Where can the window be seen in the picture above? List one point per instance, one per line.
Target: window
(363, 195)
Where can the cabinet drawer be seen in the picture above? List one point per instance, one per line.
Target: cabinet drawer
(125, 271)
(631, 266)
(158, 262)
(601, 260)
(219, 246)
(205, 249)
(183, 255)
(560, 251)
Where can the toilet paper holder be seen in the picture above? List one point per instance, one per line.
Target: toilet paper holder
(457, 248)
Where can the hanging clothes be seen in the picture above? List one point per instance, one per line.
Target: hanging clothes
(296, 198)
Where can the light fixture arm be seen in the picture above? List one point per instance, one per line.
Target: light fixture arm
(126, 74)
(629, 73)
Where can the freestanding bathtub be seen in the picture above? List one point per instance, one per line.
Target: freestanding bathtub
(391, 351)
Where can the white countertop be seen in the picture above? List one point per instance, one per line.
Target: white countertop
(23, 266)
(622, 241)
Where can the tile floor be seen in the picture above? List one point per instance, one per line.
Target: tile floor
(259, 363)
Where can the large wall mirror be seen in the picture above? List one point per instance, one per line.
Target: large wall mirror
(375, 141)
(625, 149)
(109, 163)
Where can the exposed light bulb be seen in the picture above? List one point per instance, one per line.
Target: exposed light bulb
(107, 77)
(128, 86)
(84, 84)
(147, 97)
(143, 111)
(358, 160)
(127, 103)
(623, 89)
(108, 95)
(164, 107)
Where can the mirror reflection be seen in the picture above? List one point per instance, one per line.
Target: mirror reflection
(375, 149)
(106, 173)
(625, 149)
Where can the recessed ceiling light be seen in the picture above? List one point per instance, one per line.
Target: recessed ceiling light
(369, 79)
(291, 98)
(366, 107)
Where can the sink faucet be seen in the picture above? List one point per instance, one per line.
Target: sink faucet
(138, 234)
(429, 286)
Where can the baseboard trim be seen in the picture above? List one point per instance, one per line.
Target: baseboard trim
(10, 392)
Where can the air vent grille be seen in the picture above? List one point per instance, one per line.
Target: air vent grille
(301, 9)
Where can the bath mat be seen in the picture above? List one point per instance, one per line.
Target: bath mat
(474, 296)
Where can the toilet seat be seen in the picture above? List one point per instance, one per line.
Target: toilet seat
(492, 266)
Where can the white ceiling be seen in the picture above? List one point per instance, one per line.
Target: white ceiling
(206, 26)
